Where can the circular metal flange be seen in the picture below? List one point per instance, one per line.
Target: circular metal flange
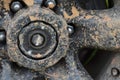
(25, 25)
(40, 33)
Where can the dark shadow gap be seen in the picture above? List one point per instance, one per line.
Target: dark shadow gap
(96, 4)
(94, 60)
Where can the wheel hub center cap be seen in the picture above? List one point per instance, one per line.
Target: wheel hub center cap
(37, 38)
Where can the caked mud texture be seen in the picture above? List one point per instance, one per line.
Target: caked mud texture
(69, 68)
(29, 3)
(94, 28)
(23, 18)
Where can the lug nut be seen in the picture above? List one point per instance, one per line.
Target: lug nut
(50, 4)
(70, 29)
(37, 40)
(16, 6)
(114, 72)
(2, 36)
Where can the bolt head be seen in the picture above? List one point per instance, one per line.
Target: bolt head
(70, 29)
(50, 4)
(37, 40)
(114, 72)
(2, 36)
(16, 6)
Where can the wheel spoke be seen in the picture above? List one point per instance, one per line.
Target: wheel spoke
(68, 69)
(98, 28)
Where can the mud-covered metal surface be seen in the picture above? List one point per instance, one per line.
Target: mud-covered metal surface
(93, 28)
(8, 71)
(16, 48)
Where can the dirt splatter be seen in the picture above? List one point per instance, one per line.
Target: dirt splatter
(29, 2)
(107, 18)
(74, 11)
(33, 18)
(6, 4)
(88, 17)
(38, 55)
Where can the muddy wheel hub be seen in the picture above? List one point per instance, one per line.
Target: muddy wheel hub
(37, 38)
(40, 38)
